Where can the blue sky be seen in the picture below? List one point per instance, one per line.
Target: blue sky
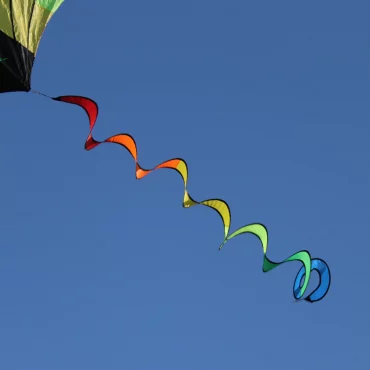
(268, 102)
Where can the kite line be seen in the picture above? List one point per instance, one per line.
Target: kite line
(220, 206)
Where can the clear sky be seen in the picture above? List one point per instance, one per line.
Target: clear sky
(268, 102)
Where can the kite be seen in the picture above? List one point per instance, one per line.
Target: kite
(22, 23)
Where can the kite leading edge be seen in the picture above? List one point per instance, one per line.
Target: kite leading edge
(22, 23)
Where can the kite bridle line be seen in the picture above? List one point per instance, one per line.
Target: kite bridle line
(40, 93)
